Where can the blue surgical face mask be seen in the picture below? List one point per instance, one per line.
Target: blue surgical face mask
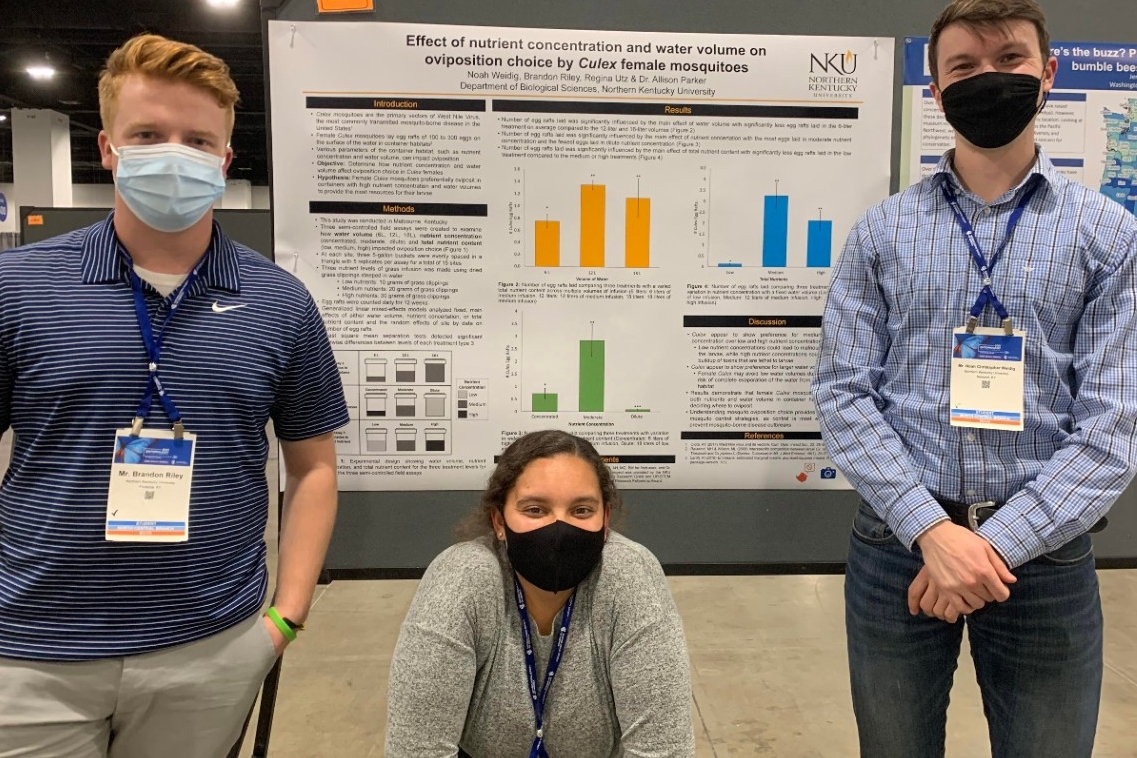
(169, 187)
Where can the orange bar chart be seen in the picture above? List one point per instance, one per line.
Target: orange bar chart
(592, 225)
(547, 243)
(637, 232)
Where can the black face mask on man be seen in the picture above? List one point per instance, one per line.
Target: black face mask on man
(990, 110)
(555, 557)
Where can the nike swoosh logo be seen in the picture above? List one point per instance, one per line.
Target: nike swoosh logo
(219, 308)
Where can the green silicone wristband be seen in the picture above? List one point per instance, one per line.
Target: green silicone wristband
(284, 628)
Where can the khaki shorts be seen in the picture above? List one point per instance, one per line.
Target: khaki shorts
(188, 701)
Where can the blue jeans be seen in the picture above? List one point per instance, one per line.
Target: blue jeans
(1038, 656)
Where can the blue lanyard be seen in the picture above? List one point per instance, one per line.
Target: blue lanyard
(986, 296)
(153, 345)
(539, 698)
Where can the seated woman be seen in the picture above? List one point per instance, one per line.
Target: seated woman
(549, 635)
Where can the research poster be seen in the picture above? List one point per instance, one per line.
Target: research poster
(625, 235)
(1086, 126)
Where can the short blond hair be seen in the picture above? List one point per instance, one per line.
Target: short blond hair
(977, 15)
(156, 56)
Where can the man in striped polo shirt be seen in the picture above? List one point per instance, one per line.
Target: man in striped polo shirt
(140, 361)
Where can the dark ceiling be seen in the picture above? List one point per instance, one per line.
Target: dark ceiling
(76, 36)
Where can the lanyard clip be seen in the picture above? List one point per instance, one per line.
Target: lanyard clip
(1008, 326)
(179, 430)
(136, 426)
(972, 322)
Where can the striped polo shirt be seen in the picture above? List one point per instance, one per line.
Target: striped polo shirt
(73, 370)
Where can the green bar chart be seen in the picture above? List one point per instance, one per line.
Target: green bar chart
(591, 376)
(570, 366)
(544, 402)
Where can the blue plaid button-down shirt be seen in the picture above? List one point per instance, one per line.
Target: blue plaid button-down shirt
(905, 279)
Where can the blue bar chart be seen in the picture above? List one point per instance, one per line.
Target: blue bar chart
(819, 245)
(780, 223)
(775, 231)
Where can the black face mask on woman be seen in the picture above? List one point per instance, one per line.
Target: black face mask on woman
(555, 557)
(990, 110)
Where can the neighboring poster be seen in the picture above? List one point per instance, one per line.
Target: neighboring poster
(1087, 127)
(626, 235)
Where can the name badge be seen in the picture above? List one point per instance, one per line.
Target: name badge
(151, 478)
(987, 373)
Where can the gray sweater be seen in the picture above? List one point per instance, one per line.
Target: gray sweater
(458, 673)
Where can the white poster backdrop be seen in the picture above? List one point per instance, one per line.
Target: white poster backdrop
(626, 235)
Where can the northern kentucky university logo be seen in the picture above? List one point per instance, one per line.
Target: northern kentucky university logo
(831, 75)
(842, 64)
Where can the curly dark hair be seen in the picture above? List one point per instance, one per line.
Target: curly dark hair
(512, 462)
